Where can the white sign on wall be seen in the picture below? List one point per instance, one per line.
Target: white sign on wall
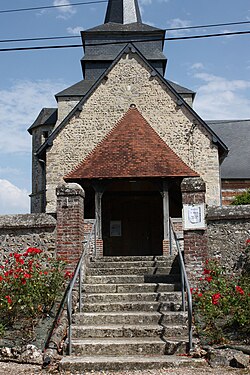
(194, 216)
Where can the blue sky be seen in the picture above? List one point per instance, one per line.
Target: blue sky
(217, 69)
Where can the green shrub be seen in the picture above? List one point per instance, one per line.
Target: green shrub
(222, 305)
(243, 198)
(29, 284)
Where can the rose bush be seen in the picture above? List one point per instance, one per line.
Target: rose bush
(29, 284)
(222, 304)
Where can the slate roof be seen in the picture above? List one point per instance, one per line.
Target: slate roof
(180, 89)
(47, 116)
(82, 87)
(123, 11)
(131, 149)
(78, 89)
(94, 54)
(236, 135)
(131, 27)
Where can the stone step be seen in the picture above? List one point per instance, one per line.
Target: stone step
(115, 279)
(132, 288)
(119, 330)
(128, 317)
(78, 365)
(160, 279)
(126, 330)
(130, 271)
(134, 264)
(130, 297)
(174, 330)
(118, 346)
(134, 258)
(131, 306)
(176, 345)
(133, 279)
(131, 317)
(174, 317)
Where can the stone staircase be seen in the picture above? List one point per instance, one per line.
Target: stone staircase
(131, 317)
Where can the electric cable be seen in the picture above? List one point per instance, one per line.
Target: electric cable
(51, 6)
(127, 41)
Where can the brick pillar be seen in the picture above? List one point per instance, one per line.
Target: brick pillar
(195, 240)
(70, 222)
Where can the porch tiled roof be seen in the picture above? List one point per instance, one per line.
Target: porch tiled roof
(131, 149)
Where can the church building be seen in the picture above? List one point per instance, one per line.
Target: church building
(127, 135)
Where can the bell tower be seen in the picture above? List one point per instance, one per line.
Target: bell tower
(122, 25)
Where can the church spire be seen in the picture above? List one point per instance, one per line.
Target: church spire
(123, 11)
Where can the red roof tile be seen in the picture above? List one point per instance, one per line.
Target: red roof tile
(131, 149)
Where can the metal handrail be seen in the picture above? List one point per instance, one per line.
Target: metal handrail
(184, 283)
(78, 275)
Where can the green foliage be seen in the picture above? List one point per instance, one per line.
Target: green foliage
(243, 198)
(29, 284)
(221, 304)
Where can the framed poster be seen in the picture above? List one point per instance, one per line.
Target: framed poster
(115, 228)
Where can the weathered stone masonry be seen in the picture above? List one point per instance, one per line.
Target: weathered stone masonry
(130, 82)
(228, 228)
(18, 232)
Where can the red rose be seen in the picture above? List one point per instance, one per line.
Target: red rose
(215, 298)
(239, 290)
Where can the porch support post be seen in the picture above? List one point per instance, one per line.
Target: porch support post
(165, 196)
(99, 190)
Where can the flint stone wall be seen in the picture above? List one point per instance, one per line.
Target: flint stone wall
(18, 232)
(228, 228)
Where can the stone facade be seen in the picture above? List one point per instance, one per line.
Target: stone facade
(228, 228)
(18, 232)
(130, 82)
(65, 106)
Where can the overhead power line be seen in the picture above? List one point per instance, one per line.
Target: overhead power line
(52, 6)
(168, 29)
(126, 41)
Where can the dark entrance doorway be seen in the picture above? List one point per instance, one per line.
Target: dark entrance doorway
(132, 223)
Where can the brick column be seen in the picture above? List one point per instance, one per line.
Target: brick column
(70, 222)
(195, 240)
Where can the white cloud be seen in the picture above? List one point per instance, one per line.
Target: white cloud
(19, 107)
(12, 199)
(144, 3)
(197, 66)
(176, 23)
(64, 12)
(220, 98)
(74, 30)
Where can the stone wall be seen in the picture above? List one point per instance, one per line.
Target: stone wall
(130, 82)
(18, 232)
(228, 228)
